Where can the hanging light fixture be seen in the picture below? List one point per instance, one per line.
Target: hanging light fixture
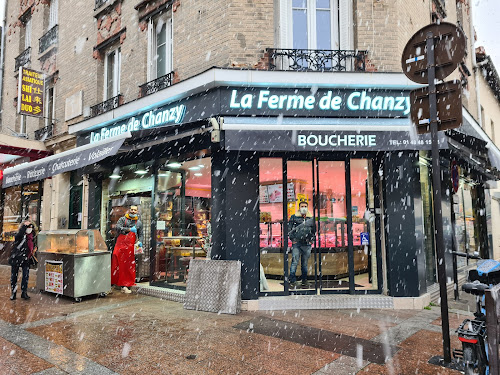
(141, 169)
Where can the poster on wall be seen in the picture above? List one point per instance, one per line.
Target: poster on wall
(263, 195)
(275, 193)
(54, 276)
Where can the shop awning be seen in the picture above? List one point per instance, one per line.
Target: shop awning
(63, 162)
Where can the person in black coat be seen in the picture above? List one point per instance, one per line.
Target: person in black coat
(22, 250)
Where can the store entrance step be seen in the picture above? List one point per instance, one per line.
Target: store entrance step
(325, 302)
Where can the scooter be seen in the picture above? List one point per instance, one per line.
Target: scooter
(472, 332)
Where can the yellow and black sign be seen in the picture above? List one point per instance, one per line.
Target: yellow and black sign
(31, 89)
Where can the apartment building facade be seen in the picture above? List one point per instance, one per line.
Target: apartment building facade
(199, 112)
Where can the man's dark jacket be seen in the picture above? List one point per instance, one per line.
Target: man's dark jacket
(301, 229)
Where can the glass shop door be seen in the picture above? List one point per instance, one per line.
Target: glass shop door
(341, 203)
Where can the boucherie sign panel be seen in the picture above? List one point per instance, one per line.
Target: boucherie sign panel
(258, 101)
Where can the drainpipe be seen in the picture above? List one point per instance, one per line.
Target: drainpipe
(2, 64)
(475, 68)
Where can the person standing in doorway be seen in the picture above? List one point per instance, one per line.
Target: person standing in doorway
(129, 229)
(22, 250)
(301, 233)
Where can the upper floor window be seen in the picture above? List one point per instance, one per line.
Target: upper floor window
(53, 14)
(159, 47)
(316, 24)
(112, 67)
(49, 106)
(26, 34)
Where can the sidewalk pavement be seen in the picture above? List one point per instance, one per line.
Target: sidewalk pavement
(136, 334)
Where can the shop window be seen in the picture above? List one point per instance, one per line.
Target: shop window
(316, 24)
(112, 68)
(159, 47)
(466, 220)
(179, 209)
(363, 225)
(271, 200)
(75, 201)
(427, 216)
(11, 213)
(182, 215)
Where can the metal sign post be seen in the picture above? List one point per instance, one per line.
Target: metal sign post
(434, 52)
(436, 189)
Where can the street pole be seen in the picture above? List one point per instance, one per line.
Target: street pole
(436, 187)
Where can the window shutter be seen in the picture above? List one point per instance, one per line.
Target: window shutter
(151, 50)
(285, 23)
(346, 22)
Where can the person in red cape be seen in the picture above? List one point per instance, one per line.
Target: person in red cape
(129, 229)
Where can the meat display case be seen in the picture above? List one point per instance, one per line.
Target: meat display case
(73, 263)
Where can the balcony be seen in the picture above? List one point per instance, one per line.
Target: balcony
(44, 133)
(317, 60)
(48, 39)
(106, 106)
(23, 59)
(156, 85)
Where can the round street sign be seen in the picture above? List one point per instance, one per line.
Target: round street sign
(449, 50)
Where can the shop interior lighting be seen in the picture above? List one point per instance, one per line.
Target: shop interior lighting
(116, 173)
(174, 165)
(198, 174)
(194, 168)
(141, 169)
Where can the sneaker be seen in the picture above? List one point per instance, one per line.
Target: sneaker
(305, 285)
(293, 285)
(126, 290)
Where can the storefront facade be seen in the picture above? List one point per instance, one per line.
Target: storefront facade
(22, 200)
(206, 161)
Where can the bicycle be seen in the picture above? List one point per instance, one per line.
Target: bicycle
(472, 333)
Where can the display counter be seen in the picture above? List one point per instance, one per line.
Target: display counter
(73, 263)
(175, 254)
(333, 263)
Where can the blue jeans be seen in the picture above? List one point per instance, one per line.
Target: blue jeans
(303, 252)
(13, 278)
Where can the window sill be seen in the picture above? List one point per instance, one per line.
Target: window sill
(105, 7)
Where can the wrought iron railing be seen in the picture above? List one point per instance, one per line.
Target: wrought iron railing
(23, 58)
(48, 39)
(316, 60)
(44, 133)
(99, 3)
(106, 106)
(157, 84)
